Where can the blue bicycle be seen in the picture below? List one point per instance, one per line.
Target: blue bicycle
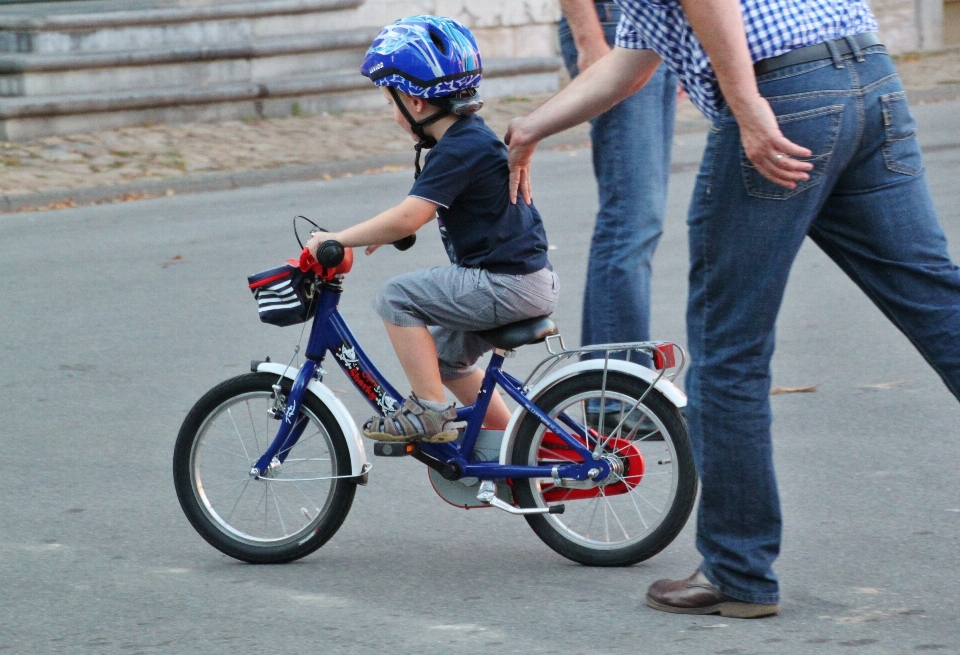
(595, 457)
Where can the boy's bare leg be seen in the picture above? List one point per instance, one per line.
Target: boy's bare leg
(466, 390)
(417, 353)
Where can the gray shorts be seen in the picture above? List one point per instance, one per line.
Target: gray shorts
(454, 301)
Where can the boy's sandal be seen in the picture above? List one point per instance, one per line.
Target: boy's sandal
(414, 422)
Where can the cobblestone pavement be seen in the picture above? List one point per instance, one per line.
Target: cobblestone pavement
(153, 152)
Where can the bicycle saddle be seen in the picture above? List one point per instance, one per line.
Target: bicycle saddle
(521, 333)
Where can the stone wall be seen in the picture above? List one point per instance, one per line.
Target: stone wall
(527, 28)
(910, 25)
(504, 28)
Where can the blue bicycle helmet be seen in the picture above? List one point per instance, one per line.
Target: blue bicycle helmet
(427, 57)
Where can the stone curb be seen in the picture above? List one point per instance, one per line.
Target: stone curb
(197, 183)
(225, 181)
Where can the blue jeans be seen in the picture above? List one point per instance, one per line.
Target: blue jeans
(631, 161)
(868, 208)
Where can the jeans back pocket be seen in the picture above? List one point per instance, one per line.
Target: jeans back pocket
(814, 129)
(901, 152)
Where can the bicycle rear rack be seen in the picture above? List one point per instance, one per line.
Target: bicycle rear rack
(663, 354)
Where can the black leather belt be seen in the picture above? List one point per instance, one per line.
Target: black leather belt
(815, 52)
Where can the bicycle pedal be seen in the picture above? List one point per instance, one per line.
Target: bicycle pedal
(394, 449)
(556, 509)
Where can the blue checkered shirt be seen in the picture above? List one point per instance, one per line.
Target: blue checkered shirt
(773, 27)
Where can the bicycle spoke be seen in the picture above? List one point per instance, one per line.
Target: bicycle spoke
(637, 507)
(644, 499)
(307, 498)
(226, 452)
(283, 526)
(242, 491)
(300, 441)
(296, 515)
(596, 505)
(291, 463)
(239, 438)
(615, 515)
(253, 427)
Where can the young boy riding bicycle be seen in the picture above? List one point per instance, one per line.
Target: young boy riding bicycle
(429, 68)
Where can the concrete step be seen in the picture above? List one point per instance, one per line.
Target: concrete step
(92, 27)
(23, 118)
(26, 74)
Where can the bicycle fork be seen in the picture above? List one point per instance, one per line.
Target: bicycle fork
(290, 429)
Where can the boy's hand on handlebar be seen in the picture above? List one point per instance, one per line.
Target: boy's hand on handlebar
(319, 238)
(372, 249)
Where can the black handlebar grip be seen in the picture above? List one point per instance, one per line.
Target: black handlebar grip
(406, 243)
(330, 253)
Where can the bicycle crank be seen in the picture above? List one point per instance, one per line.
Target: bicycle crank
(488, 496)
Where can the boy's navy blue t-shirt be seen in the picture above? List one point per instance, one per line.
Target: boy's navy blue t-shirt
(466, 174)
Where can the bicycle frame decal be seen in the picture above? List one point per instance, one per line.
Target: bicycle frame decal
(346, 356)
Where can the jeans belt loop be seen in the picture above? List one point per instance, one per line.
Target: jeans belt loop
(834, 53)
(855, 49)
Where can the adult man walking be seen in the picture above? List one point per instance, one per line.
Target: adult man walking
(816, 139)
(631, 160)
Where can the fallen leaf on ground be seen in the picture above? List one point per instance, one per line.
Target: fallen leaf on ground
(779, 390)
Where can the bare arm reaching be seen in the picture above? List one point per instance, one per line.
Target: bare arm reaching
(614, 77)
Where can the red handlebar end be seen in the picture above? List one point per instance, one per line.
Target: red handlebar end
(309, 263)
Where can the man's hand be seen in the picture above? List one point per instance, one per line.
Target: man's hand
(519, 154)
(616, 76)
(719, 26)
(767, 148)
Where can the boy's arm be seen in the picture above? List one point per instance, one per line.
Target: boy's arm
(387, 227)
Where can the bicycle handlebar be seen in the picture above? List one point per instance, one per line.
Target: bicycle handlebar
(406, 243)
(330, 253)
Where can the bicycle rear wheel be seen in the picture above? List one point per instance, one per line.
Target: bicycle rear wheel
(286, 513)
(638, 510)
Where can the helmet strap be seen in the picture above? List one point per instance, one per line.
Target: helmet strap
(426, 141)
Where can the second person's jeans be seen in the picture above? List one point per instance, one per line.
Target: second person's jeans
(631, 161)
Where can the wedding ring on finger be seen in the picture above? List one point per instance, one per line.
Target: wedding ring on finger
(779, 156)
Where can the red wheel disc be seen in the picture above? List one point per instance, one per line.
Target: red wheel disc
(554, 450)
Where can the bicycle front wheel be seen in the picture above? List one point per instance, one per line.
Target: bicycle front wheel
(643, 505)
(287, 512)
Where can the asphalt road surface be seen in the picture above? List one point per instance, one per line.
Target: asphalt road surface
(115, 319)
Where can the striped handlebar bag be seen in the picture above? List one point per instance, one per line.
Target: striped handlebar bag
(285, 295)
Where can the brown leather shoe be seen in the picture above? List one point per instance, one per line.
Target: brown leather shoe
(695, 595)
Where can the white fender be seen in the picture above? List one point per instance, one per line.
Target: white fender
(358, 456)
(663, 385)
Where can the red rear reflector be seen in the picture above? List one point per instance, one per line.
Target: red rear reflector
(664, 356)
